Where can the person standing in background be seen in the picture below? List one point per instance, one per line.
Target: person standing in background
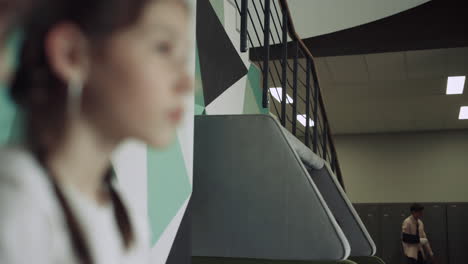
(414, 237)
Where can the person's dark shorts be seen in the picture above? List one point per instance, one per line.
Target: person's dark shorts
(420, 260)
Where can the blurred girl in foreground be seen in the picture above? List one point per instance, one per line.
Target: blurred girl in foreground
(92, 73)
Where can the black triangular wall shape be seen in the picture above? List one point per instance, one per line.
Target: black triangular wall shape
(181, 251)
(220, 63)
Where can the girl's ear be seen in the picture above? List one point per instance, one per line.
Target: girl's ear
(67, 50)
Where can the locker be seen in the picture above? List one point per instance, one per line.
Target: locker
(392, 216)
(457, 229)
(370, 216)
(435, 223)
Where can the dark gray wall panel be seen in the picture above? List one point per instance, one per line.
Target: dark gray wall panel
(392, 218)
(435, 225)
(370, 215)
(253, 198)
(457, 224)
(348, 219)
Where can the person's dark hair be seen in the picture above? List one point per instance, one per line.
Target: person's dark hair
(43, 96)
(416, 208)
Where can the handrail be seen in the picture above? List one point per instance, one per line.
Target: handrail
(294, 36)
(323, 143)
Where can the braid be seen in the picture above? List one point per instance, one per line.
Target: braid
(120, 212)
(81, 250)
(78, 241)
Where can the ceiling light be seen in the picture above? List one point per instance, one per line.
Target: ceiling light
(463, 113)
(277, 93)
(302, 119)
(455, 84)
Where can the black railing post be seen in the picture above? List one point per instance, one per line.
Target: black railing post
(243, 33)
(315, 112)
(284, 76)
(333, 161)
(307, 129)
(325, 140)
(266, 59)
(294, 117)
(338, 173)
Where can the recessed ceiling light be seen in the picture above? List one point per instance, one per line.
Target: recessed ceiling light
(277, 93)
(302, 119)
(463, 113)
(455, 84)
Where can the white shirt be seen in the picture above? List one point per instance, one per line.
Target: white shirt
(33, 228)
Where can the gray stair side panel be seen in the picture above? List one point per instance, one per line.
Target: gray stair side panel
(344, 212)
(371, 217)
(308, 157)
(253, 198)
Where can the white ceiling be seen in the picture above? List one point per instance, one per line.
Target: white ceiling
(318, 17)
(390, 92)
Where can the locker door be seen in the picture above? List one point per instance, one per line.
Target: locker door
(435, 223)
(457, 225)
(392, 216)
(370, 216)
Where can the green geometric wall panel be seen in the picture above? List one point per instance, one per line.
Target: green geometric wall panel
(7, 116)
(250, 102)
(10, 120)
(168, 187)
(253, 93)
(17, 130)
(199, 96)
(199, 109)
(218, 6)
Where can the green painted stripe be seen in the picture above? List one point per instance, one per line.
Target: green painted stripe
(199, 96)
(218, 6)
(253, 88)
(199, 109)
(7, 116)
(168, 187)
